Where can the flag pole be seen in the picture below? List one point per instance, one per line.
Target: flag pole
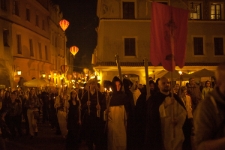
(146, 77)
(173, 66)
(118, 65)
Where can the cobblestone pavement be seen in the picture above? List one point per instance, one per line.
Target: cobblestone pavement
(46, 140)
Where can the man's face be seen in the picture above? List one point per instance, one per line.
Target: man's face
(92, 85)
(164, 85)
(118, 85)
(151, 86)
(74, 94)
(13, 96)
(208, 84)
(177, 86)
(192, 81)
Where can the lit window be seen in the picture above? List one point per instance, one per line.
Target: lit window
(198, 46)
(216, 11)
(195, 10)
(218, 46)
(129, 47)
(18, 41)
(128, 10)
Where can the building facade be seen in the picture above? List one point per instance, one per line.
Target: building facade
(32, 42)
(124, 29)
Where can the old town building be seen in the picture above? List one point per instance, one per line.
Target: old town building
(124, 29)
(32, 43)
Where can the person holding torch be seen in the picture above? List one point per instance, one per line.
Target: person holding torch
(93, 106)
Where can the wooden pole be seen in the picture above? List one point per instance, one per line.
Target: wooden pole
(96, 89)
(147, 79)
(89, 100)
(118, 65)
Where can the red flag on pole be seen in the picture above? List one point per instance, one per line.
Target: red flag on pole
(168, 36)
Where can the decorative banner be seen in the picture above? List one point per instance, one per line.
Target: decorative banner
(74, 50)
(64, 68)
(64, 24)
(168, 36)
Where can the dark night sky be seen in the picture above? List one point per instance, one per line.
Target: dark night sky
(81, 32)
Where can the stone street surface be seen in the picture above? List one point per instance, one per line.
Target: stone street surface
(46, 140)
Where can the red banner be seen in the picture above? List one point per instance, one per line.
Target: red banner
(168, 36)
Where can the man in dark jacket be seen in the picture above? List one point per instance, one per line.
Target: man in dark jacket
(166, 119)
(93, 105)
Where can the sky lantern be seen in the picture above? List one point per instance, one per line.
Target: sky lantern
(64, 24)
(74, 50)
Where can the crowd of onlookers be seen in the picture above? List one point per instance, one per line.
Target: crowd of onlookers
(121, 118)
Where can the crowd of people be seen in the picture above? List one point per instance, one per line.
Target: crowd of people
(124, 118)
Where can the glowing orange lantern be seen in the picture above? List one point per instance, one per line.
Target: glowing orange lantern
(64, 24)
(74, 50)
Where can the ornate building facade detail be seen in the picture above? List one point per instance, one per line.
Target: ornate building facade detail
(32, 41)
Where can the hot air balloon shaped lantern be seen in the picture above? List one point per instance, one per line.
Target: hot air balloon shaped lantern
(64, 24)
(74, 50)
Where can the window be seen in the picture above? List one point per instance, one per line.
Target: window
(18, 41)
(128, 10)
(37, 20)
(198, 46)
(56, 43)
(165, 3)
(218, 46)
(43, 25)
(129, 47)
(40, 52)
(3, 5)
(6, 37)
(28, 14)
(53, 40)
(16, 7)
(195, 10)
(46, 53)
(216, 11)
(31, 47)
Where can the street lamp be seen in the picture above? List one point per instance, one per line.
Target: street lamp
(19, 72)
(180, 72)
(181, 77)
(43, 75)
